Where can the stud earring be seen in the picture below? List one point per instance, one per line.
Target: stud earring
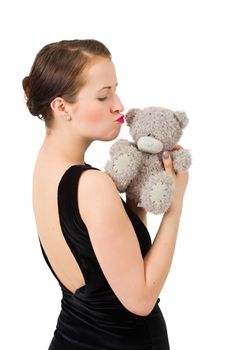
(68, 117)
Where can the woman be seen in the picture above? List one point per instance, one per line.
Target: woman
(96, 244)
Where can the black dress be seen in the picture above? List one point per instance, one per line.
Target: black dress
(93, 317)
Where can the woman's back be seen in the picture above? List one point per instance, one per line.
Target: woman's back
(45, 186)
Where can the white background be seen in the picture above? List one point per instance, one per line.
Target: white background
(175, 54)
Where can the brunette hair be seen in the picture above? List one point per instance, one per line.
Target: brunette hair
(57, 72)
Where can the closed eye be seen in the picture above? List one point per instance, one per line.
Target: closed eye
(102, 98)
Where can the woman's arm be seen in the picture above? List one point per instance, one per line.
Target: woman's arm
(158, 260)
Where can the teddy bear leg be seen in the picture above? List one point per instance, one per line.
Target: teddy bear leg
(156, 194)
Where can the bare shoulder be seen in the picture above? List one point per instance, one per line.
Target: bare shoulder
(93, 176)
(95, 186)
(97, 194)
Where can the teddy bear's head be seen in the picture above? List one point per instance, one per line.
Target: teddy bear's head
(155, 129)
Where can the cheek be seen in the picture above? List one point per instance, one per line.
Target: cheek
(93, 115)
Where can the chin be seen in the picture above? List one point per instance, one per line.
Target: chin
(113, 136)
(110, 137)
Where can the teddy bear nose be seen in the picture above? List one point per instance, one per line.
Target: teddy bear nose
(149, 144)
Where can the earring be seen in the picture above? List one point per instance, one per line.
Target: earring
(68, 117)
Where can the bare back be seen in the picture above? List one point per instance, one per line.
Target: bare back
(46, 178)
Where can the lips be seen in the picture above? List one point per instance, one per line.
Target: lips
(121, 119)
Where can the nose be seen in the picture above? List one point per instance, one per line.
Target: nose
(117, 105)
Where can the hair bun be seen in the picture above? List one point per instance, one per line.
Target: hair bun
(58, 70)
(25, 83)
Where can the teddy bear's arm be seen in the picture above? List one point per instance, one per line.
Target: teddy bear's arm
(124, 163)
(181, 159)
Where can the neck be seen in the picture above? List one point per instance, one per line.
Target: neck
(65, 148)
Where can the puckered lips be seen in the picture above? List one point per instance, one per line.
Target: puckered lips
(121, 119)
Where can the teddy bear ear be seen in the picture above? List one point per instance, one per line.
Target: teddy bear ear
(130, 115)
(182, 118)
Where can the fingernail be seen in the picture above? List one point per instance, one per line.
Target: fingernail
(165, 155)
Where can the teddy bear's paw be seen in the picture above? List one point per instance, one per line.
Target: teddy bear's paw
(121, 164)
(124, 164)
(118, 177)
(156, 195)
(119, 171)
(182, 160)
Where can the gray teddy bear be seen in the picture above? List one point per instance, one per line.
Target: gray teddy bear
(137, 167)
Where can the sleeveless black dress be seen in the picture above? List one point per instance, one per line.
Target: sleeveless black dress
(93, 317)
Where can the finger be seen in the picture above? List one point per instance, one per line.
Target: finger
(167, 161)
(176, 148)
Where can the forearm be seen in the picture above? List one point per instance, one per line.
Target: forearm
(139, 211)
(157, 261)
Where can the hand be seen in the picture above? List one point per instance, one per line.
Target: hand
(180, 180)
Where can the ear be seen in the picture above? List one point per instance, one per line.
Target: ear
(130, 115)
(182, 118)
(59, 106)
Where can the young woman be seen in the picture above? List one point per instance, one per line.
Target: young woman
(96, 244)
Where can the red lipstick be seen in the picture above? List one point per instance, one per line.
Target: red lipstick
(121, 119)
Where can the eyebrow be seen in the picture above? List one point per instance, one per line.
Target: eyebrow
(107, 87)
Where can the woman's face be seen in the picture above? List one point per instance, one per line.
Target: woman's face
(98, 106)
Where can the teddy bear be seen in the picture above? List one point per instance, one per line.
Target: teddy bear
(137, 168)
